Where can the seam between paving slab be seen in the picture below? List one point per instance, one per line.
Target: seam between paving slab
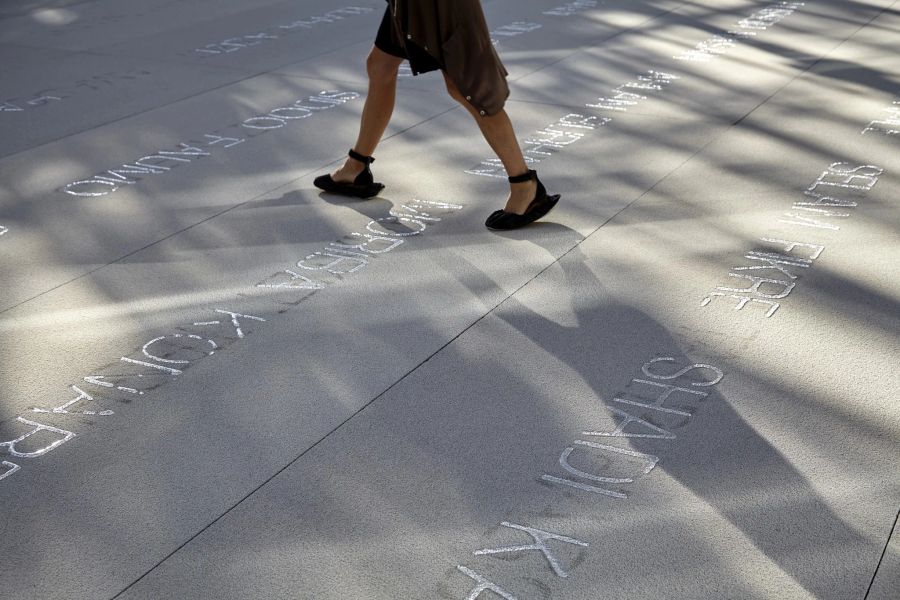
(887, 545)
(272, 72)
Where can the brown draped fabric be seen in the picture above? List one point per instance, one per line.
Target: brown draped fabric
(455, 34)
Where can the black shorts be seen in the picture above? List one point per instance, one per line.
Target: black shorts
(419, 60)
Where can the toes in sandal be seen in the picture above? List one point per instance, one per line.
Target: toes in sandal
(543, 203)
(364, 186)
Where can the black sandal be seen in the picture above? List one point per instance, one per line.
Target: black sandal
(543, 203)
(364, 186)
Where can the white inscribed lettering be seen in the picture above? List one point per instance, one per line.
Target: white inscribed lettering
(756, 286)
(237, 324)
(305, 283)
(661, 398)
(540, 538)
(38, 427)
(64, 408)
(628, 419)
(743, 301)
(174, 361)
(583, 486)
(371, 241)
(719, 374)
(483, 585)
(100, 381)
(10, 469)
(790, 246)
(169, 370)
(218, 139)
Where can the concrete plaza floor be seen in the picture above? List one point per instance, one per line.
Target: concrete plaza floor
(218, 382)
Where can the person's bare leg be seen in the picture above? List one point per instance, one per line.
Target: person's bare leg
(498, 131)
(382, 70)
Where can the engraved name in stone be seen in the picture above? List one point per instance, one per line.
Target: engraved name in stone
(571, 8)
(514, 29)
(652, 406)
(664, 390)
(99, 82)
(545, 142)
(572, 128)
(234, 44)
(482, 584)
(631, 93)
(163, 358)
(353, 252)
(889, 125)
(773, 271)
(760, 20)
(540, 539)
(32, 439)
(163, 161)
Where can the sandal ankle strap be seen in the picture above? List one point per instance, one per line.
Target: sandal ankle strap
(367, 160)
(527, 176)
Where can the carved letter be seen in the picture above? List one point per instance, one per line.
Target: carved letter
(742, 301)
(175, 361)
(216, 139)
(756, 287)
(11, 445)
(684, 371)
(234, 320)
(847, 177)
(661, 398)
(64, 408)
(9, 469)
(274, 123)
(71, 189)
(789, 246)
(332, 266)
(371, 242)
(483, 585)
(628, 419)
(540, 538)
(305, 282)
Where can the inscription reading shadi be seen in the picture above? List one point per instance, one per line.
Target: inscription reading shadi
(662, 391)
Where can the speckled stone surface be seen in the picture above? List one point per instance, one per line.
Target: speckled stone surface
(219, 382)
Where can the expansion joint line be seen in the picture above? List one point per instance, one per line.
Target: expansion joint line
(815, 63)
(400, 380)
(883, 554)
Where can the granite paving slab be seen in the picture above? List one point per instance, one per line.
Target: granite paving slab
(218, 381)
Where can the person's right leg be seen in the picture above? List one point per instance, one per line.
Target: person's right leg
(382, 70)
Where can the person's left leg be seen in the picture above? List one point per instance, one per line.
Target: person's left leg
(498, 131)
